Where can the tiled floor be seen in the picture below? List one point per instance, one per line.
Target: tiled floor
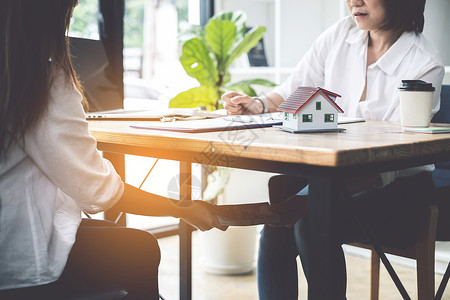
(214, 287)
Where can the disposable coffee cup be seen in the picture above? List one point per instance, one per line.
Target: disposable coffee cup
(416, 100)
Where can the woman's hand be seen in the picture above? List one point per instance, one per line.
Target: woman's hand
(201, 215)
(239, 104)
(285, 213)
(290, 210)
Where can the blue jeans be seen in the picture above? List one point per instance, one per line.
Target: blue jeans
(277, 265)
(391, 213)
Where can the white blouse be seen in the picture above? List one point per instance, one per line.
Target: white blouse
(44, 185)
(337, 61)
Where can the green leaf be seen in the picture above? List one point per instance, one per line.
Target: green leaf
(226, 78)
(217, 181)
(199, 96)
(197, 63)
(191, 32)
(244, 45)
(220, 35)
(245, 86)
(239, 18)
(257, 81)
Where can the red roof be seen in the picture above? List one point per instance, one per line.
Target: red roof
(302, 95)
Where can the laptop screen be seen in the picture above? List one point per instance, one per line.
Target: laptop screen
(95, 74)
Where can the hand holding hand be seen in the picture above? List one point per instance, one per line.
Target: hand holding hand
(245, 214)
(201, 215)
(285, 213)
(238, 104)
(290, 210)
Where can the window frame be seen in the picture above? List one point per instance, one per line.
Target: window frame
(330, 118)
(307, 118)
(318, 105)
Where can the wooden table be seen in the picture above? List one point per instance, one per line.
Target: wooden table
(323, 158)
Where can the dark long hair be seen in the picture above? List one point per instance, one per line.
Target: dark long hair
(406, 15)
(34, 47)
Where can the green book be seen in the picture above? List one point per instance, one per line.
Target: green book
(431, 129)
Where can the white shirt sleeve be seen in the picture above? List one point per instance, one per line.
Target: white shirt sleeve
(62, 147)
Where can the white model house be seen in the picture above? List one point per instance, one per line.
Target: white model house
(310, 109)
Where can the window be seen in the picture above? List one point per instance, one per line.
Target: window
(318, 105)
(154, 31)
(286, 116)
(152, 36)
(307, 118)
(329, 118)
(294, 116)
(84, 23)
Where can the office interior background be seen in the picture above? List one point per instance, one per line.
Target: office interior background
(155, 29)
(153, 32)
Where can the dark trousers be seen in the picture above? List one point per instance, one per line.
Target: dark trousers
(392, 214)
(104, 257)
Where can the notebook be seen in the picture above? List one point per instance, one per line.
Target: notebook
(429, 130)
(213, 124)
(224, 123)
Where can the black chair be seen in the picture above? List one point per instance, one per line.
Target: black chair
(423, 250)
(73, 287)
(441, 179)
(441, 176)
(78, 294)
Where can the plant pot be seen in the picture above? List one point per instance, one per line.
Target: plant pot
(228, 252)
(234, 251)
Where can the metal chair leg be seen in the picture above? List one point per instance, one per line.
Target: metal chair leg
(443, 284)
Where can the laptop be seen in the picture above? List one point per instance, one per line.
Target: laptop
(93, 68)
(105, 99)
(169, 114)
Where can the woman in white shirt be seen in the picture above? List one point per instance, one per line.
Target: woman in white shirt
(50, 170)
(363, 58)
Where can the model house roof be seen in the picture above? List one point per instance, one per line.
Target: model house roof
(302, 95)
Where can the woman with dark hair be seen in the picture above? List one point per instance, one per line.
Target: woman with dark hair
(363, 58)
(405, 15)
(50, 170)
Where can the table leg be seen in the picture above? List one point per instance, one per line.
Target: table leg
(322, 190)
(185, 233)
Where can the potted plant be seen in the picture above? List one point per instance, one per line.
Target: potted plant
(208, 55)
(233, 251)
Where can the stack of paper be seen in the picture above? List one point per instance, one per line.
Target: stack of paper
(430, 130)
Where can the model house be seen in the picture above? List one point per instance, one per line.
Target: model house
(310, 109)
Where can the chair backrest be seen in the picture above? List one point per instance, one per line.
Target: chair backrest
(443, 115)
(442, 176)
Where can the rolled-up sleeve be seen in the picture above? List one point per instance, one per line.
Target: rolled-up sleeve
(62, 147)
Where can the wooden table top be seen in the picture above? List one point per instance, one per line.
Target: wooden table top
(361, 143)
